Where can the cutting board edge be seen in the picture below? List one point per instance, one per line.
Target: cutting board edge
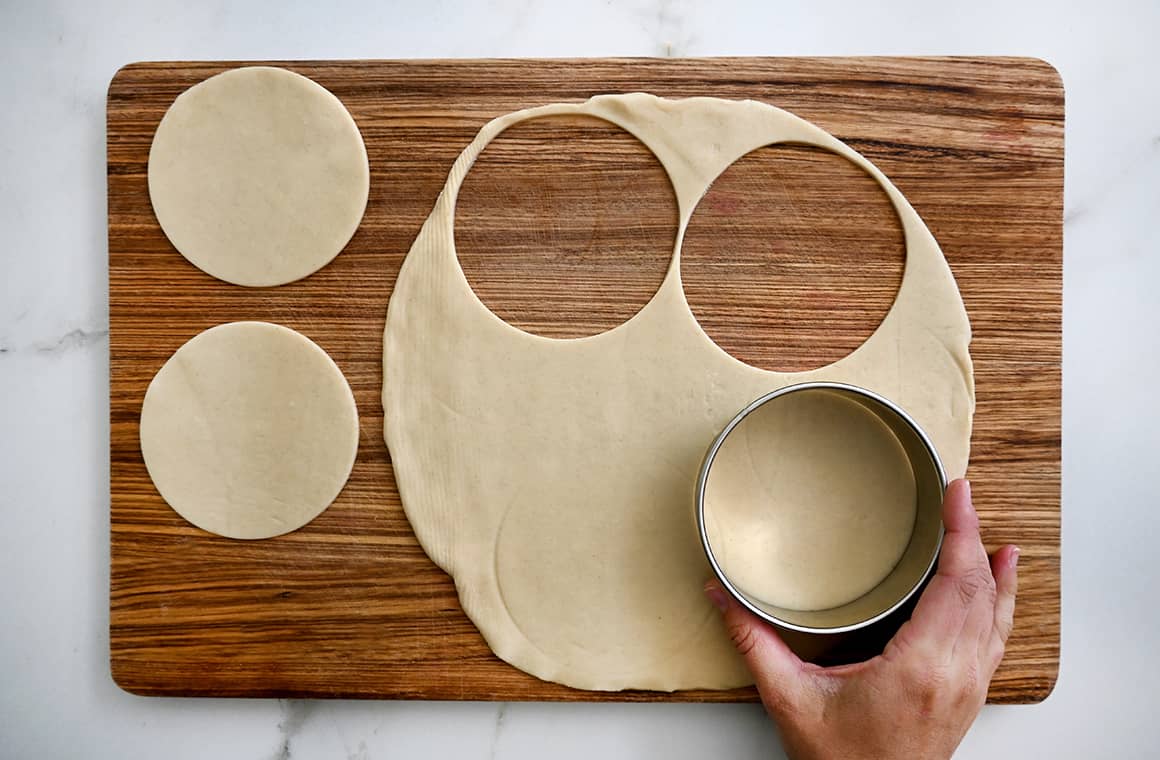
(1036, 693)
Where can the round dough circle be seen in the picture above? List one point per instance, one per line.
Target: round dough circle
(258, 176)
(547, 476)
(249, 430)
(810, 502)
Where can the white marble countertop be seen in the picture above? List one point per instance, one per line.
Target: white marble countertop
(56, 58)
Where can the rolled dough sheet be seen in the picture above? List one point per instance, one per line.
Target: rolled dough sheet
(810, 502)
(553, 479)
(258, 176)
(249, 430)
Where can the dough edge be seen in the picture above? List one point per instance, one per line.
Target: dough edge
(439, 527)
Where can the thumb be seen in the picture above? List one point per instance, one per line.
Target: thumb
(777, 671)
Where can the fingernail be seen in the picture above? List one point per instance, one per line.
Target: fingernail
(967, 487)
(717, 596)
(1015, 556)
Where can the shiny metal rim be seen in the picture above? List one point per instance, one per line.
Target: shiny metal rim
(703, 477)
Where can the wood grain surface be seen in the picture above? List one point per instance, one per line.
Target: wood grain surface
(565, 228)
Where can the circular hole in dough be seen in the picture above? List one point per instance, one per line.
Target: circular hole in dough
(249, 430)
(258, 176)
(792, 258)
(565, 226)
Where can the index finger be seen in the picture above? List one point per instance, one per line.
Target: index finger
(964, 571)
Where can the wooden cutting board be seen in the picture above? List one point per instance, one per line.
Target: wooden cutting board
(565, 228)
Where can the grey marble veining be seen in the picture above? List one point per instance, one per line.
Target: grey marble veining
(76, 338)
(667, 23)
(294, 714)
(500, 714)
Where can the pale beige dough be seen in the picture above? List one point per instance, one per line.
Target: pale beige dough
(249, 430)
(258, 176)
(810, 502)
(553, 479)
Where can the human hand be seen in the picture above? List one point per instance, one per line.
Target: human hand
(918, 698)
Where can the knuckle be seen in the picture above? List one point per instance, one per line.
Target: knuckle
(975, 582)
(990, 588)
(927, 683)
(996, 651)
(970, 684)
(901, 643)
(929, 699)
(967, 587)
(743, 636)
(1003, 632)
(942, 687)
(938, 687)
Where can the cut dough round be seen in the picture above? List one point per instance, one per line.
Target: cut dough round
(258, 176)
(249, 430)
(810, 502)
(554, 479)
